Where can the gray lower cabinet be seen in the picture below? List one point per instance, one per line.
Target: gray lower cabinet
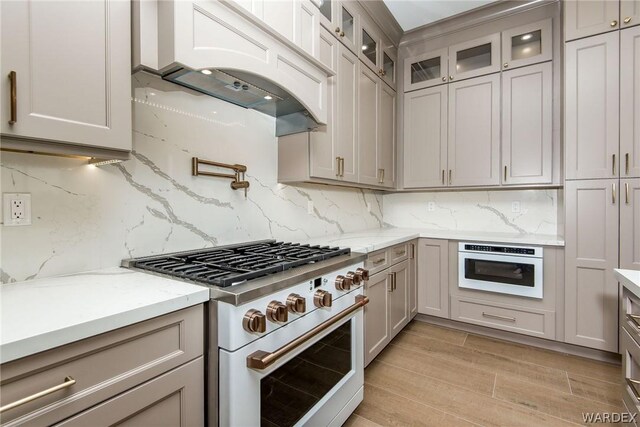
(413, 280)
(376, 315)
(630, 350)
(133, 370)
(629, 101)
(630, 224)
(591, 254)
(433, 277)
(527, 128)
(399, 297)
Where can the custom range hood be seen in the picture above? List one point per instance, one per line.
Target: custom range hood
(220, 49)
(249, 91)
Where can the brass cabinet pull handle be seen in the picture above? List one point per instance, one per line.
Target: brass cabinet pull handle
(378, 261)
(413, 251)
(400, 252)
(626, 163)
(263, 359)
(505, 173)
(390, 282)
(635, 319)
(632, 385)
(626, 193)
(613, 165)
(505, 65)
(342, 161)
(614, 23)
(14, 97)
(498, 317)
(337, 166)
(341, 33)
(68, 382)
(442, 176)
(337, 29)
(613, 193)
(444, 79)
(627, 20)
(449, 176)
(380, 176)
(395, 278)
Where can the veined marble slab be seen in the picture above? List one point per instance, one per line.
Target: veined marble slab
(381, 238)
(46, 313)
(630, 279)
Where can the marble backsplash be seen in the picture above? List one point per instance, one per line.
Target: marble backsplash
(476, 211)
(87, 217)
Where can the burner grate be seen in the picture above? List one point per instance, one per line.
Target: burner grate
(233, 265)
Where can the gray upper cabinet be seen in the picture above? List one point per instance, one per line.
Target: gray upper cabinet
(425, 137)
(583, 18)
(426, 70)
(591, 107)
(630, 224)
(433, 277)
(386, 136)
(591, 254)
(629, 13)
(388, 65)
(369, 52)
(348, 26)
(475, 57)
(347, 106)
(474, 132)
(368, 105)
(629, 103)
(527, 115)
(527, 44)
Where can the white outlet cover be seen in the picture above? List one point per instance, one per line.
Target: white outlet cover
(431, 206)
(310, 207)
(13, 215)
(515, 207)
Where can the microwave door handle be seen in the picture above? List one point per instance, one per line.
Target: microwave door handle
(263, 359)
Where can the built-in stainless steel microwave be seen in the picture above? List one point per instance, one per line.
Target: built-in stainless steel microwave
(514, 270)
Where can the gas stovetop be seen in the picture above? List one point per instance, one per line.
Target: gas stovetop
(231, 265)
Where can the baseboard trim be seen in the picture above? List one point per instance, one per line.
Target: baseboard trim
(562, 347)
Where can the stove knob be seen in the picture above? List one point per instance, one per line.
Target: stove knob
(277, 312)
(355, 278)
(363, 274)
(296, 304)
(254, 321)
(343, 283)
(322, 299)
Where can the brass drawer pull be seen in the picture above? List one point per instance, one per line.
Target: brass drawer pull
(263, 359)
(498, 317)
(379, 261)
(635, 319)
(14, 98)
(401, 252)
(68, 382)
(633, 386)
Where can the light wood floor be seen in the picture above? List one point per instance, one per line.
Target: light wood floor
(435, 376)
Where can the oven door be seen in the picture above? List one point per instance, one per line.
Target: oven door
(505, 274)
(319, 383)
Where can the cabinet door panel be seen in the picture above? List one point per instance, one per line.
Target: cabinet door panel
(368, 104)
(630, 103)
(399, 298)
(591, 107)
(426, 70)
(376, 316)
(475, 57)
(323, 141)
(433, 277)
(527, 44)
(347, 146)
(629, 13)
(387, 136)
(474, 132)
(425, 137)
(413, 279)
(630, 224)
(348, 26)
(527, 113)
(591, 254)
(73, 66)
(584, 18)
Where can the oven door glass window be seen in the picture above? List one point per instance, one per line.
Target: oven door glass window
(511, 273)
(288, 393)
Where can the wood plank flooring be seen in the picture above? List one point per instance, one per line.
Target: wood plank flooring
(434, 376)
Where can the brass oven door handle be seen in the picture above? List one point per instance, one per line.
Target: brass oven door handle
(68, 382)
(263, 359)
(14, 97)
(633, 386)
(498, 317)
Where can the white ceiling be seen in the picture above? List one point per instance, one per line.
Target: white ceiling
(414, 13)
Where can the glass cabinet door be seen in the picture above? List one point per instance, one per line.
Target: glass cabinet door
(346, 29)
(425, 70)
(369, 49)
(388, 71)
(528, 44)
(475, 57)
(327, 13)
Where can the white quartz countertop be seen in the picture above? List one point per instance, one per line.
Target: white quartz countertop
(630, 279)
(42, 314)
(375, 239)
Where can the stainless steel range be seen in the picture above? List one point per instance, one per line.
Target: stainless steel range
(285, 330)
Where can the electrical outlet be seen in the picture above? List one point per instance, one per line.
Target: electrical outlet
(431, 206)
(310, 207)
(515, 207)
(369, 207)
(16, 209)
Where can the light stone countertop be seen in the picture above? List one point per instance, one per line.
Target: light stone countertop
(630, 279)
(375, 239)
(42, 314)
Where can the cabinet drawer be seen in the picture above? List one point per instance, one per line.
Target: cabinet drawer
(376, 262)
(173, 399)
(630, 314)
(521, 320)
(398, 253)
(630, 370)
(101, 366)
